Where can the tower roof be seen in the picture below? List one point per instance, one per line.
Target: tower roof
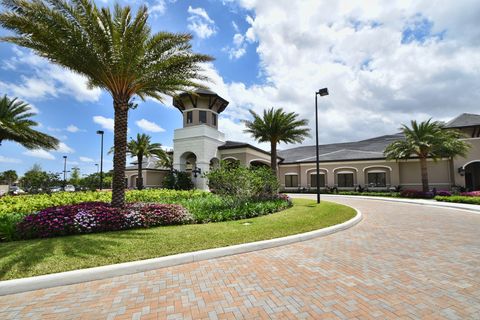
(213, 99)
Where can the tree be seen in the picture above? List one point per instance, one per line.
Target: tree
(75, 177)
(36, 180)
(277, 126)
(16, 125)
(116, 51)
(165, 159)
(425, 140)
(9, 176)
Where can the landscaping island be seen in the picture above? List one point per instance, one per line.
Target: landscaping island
(43, 256)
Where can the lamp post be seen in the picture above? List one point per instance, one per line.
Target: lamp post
(96, 165)
(321, 92)
(101, 132)
(64, 171)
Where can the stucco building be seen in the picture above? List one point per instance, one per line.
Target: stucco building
(199, 146)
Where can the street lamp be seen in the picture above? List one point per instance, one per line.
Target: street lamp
(321, 92)
(64, 171)
(101, 132)
(96, 165)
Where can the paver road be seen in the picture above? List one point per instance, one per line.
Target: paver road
(402, 261)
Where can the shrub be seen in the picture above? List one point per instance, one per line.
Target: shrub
(98, 217)
(243, 183)
(470, 194)
(416, 194)
(459, 199)
(178, 180)
(443, 193)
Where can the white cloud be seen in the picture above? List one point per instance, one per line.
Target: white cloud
(64, 148)
(49, 80)
(72, 128)
(106, 123)
(158, 8)
(86, 159)
(200, 23)
(376, 81)
(39, 153)
(9, 160)
(238, 49)
(149, 126)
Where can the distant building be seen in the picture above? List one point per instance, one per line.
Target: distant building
(199, 146)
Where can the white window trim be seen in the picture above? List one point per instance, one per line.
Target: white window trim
(314, 169)
(469, 162)
(379, 166)
(345, 172)
(343, 168)
(291, 174)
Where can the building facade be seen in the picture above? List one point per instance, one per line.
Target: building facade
(200, 146)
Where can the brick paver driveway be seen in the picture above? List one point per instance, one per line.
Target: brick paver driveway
(402, 261)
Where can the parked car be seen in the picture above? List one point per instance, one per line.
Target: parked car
(55, 189)
(15, 190)
(69, 188)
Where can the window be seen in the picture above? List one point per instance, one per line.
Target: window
(291, 181)
(203, 116)
(345, 180)
(189, 117)
(214, 119)
(313, 180)
(377, 179)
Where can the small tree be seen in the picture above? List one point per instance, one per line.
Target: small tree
(36, 180)
(75, 176)
(277, 126)
(9, 177)
(427, 140)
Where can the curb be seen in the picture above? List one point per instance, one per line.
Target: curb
(98, 273)
(422, 202)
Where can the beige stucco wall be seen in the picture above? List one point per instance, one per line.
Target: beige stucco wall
(459, 162)
(150, 178)
(439, 174)
(245, 155)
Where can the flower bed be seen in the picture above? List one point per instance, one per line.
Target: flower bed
(83, 212)
(98, 217)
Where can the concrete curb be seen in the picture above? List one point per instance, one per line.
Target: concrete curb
(475, 209)
(120, 269)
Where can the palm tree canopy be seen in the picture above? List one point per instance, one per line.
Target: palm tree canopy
(276, 126)
(16, 125)
(427, 139)
(115, 50)
(142, 146)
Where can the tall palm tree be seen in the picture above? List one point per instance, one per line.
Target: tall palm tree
(16, 125)
(115, 51)
(425, 140)
(277, 126)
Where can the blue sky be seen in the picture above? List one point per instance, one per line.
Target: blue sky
(384, 65)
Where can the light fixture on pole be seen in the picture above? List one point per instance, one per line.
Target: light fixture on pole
(101, 132)
(64, 171)
(96, 165)
(321, 92)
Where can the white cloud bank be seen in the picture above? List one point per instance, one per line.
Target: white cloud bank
(39, 153)
(200, 23)
(377, 77)
(150, 126)
(105, 123)
(86, 159)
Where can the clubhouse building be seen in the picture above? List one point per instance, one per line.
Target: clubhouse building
(200, 146)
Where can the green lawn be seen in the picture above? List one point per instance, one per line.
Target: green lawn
(42, 256)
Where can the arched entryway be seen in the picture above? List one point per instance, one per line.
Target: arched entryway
(188, 161)
(257, 163)
(214, 163)
(472, 176)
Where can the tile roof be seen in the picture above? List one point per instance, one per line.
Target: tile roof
(464, 120)
(360, 150)
(148, 163)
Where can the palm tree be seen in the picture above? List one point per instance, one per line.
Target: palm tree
(427, 140)
(141, 147)
(16, 125)
(165, 159)
(277, 126)
(115, 51)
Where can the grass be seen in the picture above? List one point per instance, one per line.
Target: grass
(42, 256)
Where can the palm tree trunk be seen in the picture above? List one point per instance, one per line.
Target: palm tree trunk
(139, 172)
(119, 153)
(273, 156)
(424, 171)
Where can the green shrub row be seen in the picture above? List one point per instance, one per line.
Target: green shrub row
(370, 194)
(459, 199)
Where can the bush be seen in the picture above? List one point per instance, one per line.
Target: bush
(369, 193)
(470, 194)
(98, 217)
(443, 193)
(459, 199)
(178, 180)
(243, 183)
(416, 194)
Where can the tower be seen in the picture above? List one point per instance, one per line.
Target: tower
(196, 144)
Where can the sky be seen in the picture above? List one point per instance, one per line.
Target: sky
(384, 63)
